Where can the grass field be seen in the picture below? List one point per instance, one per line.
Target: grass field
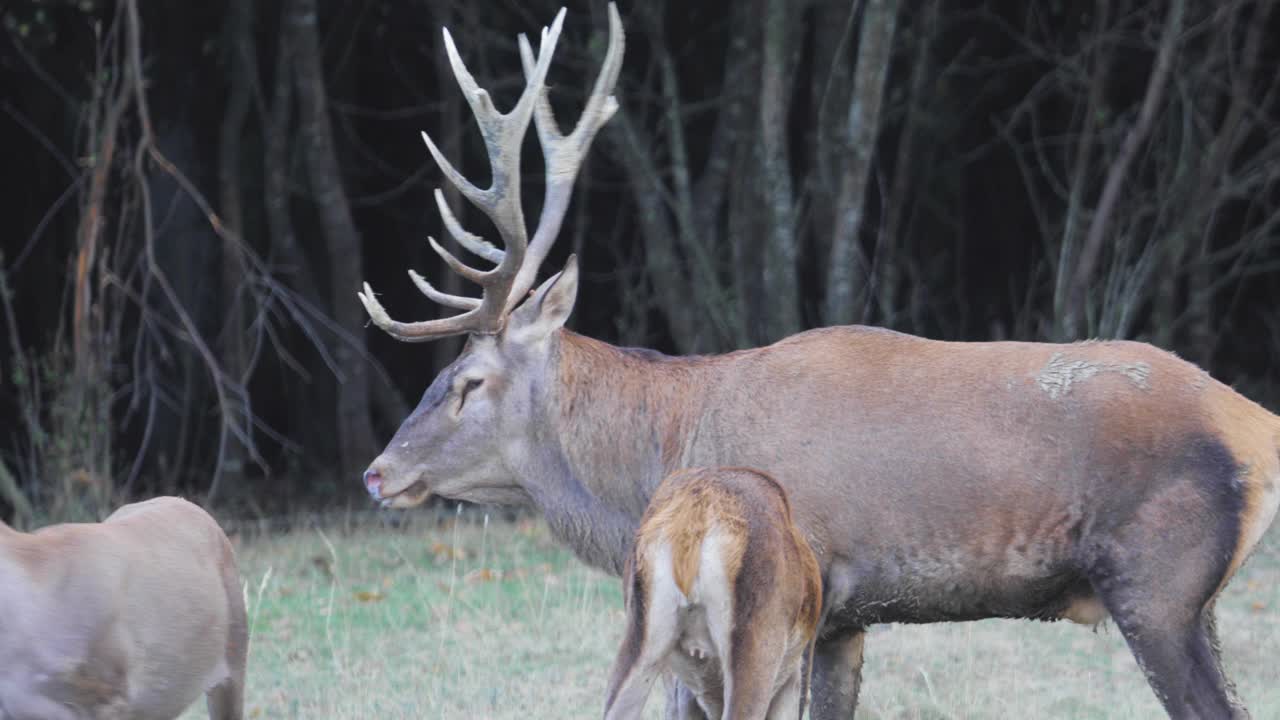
(458, 619)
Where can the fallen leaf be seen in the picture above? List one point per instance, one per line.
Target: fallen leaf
(443, 552)
(482, 575)
(367, 596)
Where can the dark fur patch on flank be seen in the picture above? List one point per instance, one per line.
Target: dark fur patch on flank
(1220, 480)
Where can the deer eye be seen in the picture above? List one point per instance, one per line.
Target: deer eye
(467, 387)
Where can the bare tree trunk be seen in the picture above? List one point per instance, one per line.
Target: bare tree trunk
(355, 436)
(665, 269)
(276, 169)
(720, 178)
(889, 259)
(715, 316)
(847, 271)
(782, 244)
(109, 104)
(746, 218)
(232, 352)
(829, 103)
(1075, 319)
(1081, 171)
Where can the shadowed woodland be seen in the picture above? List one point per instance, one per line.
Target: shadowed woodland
(194, 193)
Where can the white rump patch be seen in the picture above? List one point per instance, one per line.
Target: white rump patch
(714, 591)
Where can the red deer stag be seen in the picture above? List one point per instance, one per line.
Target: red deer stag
(133, 617)
(935, 481)
(723, 591)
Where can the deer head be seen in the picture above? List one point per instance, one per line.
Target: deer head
(470, 434)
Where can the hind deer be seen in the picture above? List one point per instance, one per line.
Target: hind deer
(723, 591)
(935, 481)
(133, 617)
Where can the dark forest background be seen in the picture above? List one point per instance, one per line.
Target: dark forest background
(193, 193)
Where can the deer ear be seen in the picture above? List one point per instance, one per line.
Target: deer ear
(549, 307)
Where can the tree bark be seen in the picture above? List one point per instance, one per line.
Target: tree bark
(304, 405)
(833, 45)
(662, 260)
(232, 352)
(277, 171)
(355, 435)
(782, 243)
(847, 269)
(891, 253)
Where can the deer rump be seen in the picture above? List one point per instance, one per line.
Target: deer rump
(722, 591)
(132, 617)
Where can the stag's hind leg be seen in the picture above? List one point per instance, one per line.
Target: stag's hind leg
(1214, 663)
(1180, 663)
(226, 700)
(1158, 572)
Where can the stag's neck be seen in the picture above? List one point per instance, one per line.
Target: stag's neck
(619, 423)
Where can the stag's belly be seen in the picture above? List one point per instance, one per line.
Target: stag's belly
(937, 586)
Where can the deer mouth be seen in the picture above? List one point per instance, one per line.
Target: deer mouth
(411, 495)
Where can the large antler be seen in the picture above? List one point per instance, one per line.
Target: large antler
(517, 262)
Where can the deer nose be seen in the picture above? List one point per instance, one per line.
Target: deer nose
(373, 482)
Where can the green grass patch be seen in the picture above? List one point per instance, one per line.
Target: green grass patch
(452, 618)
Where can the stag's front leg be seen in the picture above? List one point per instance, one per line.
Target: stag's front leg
(837, 674)
(681, 704)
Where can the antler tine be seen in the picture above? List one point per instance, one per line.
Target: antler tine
(503, 134)
(469, 240)
(454, 301)
(564, 154)
(415, 331)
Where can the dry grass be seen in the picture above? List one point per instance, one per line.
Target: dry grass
(458, 620)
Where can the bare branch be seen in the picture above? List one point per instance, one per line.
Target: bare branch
(1075, 308)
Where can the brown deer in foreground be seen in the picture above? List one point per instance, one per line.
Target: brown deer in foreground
(935, 481)
(723, 591)
(133, 617)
